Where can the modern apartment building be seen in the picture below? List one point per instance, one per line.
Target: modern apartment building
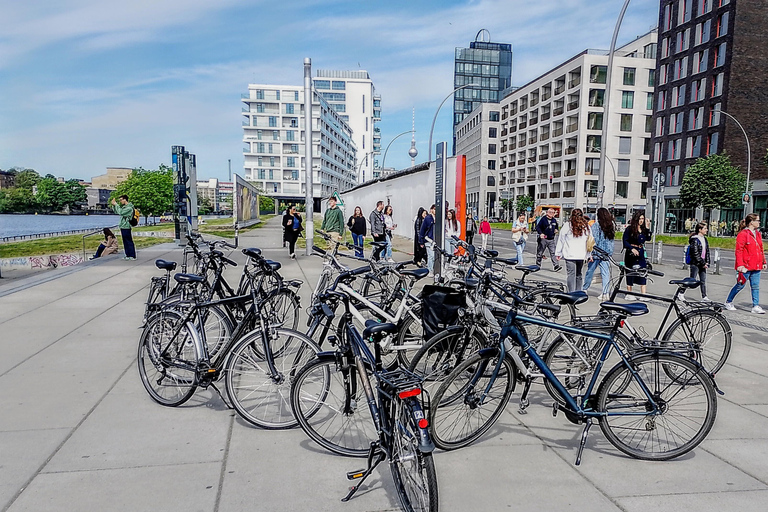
(551, 131)
(487, 64)
(477, 137)
(274, 137)
(353, 96)
(113, 177)
(712, 61)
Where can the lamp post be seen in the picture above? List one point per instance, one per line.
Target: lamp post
(362, 161)
(432, 129)
(384, 159)
(747, 205)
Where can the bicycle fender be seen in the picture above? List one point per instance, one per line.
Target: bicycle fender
(327, 356)
(425, 441)
(488, 352)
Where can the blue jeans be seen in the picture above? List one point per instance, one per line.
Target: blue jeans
(130, 249)
(605, 274)
(358, 241)
(430, 247)
(520, 248)
(388, 253)
(753, 276)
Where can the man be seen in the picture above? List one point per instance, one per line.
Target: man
(427, 239)
(376, 220)
(125, 211)
(333, 221)
(547, 229)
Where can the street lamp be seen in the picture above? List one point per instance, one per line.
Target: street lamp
(747, 206)
(472, 85)
(390, 143)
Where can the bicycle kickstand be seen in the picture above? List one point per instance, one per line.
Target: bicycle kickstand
(229, 406)
(375, 456)
(524, 402)
(584, 435)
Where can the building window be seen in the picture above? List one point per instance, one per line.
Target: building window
(262, 173)
(295, 95)
(700, 61)
(260, 108)
(676, 123)
(659, 126)
(648, 124)
(626, 123)
(290, 135)
(622, 189)
(592, 166)
(717, 85)
(674, 150)
(720, 55)
(651, 77)
(696, 118)
(261, 147)
(678, 96)
(684, 10)
(259, 94)
(698, 89)
(322, 84)
(492, 132)
(622, 168)
(275, 134)
(595, 121)
(272, 121)
(277, 95)
(683, 40)
(663, 74)
(259, 134)
(625, 145)
(629, 76)
(714, 115)
(338, 86)
(627, 99)
(289, 108)
(705, 6)
(597, 74)
(596, 97)
(712, 143)
(680, 69)
(722, 25)
(290, 161)
(667, 19)
(643, 190)
(693, 147)
(491, 165)
(649, 51)
(662, 100)
(723, 2)
(649, 101)
(491, 149)
(493, 116)
(657, 152)
(295, 149)
(593, 143)
(702, 32)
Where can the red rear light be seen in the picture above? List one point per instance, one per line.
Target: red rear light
(410, 393)
(621, 323)
(423, 423)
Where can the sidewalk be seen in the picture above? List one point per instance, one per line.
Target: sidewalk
(80, 433)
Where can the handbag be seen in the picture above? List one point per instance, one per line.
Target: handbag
(590, 243)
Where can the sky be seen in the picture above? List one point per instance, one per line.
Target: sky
(91, 84)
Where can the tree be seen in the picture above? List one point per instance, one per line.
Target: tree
(151, 192)
(26, 179)
(523, 202)
(266, 204)
(203, 205)
(712, 182)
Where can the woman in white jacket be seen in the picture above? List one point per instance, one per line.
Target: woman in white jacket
(572, 247)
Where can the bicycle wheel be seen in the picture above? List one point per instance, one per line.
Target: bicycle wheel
(410, 336)
(282, 309)
(540, 336)
(461, 410)
(218, 329)
(331, 408)
(709, 334)
(167, 364)
(412, 470)
(156, 294)
(686, 403)
(259, 396)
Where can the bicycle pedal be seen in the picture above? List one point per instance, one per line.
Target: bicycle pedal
(555, 408)
(354, 475)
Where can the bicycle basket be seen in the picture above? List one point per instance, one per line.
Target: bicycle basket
(440, 307)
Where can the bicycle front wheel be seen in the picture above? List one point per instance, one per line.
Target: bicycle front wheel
(282, 309)
(684, 412)
(260, 394)
(707, 332)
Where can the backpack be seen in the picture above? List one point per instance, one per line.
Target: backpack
(688, 254)
(134, 220)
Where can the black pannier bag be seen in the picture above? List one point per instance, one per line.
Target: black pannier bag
(440, 308)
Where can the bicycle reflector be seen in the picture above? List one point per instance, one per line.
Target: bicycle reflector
(423, 423)
(409, 393)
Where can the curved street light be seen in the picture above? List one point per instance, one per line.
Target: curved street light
(747, 205)
(473, 85)
(390, 143)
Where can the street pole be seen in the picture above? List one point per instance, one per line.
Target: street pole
(747, 205)
(658, 180)
(473, 85)
(308, 156)
(390, 143)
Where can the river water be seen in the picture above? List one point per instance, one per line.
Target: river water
(15, 225)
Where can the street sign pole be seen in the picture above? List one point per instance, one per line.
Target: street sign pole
(658, 181)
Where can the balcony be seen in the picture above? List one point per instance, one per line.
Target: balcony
(574, 82)
(560, 89)
(513, 128)
(570, 150)
(534, 101)
(504, 132)
(513, 145)
(521, 162)
(532, 140)
(556, 174)
(554, 195)
(503, 165)
(573, 105)
(503, 149)
(544, 136)
(522, 142)
(543, 195)
(531, 158)
(570, 172)
(572, 128)
(557, 153)
(504, 115)
(533, 120)
(531, 178)
(557, 111)
(545, 116)
(522, 124)
(546, 95)
(557, 132)
(569, 193)
(543, 156)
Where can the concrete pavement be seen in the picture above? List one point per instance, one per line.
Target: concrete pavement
(78, 431)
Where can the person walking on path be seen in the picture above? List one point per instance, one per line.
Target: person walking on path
(750, 261)
(546, 229)
(520, 236)
(633, 241)
(452, 228)
(713, 227)
(471, 228)
(572, 247)
(285, 230)
(689, 225)
(418, 250)
(333, 220)
(357, 227)
(125, 211)
(108, 246)
(292, 225)
(485, 230)
(389, 227)
(427, 239)
(604, 232)
(698, 253)
(376, 220)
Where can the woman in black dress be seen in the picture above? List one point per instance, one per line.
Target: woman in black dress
(419, 252)
(634, 240)
(292, 225)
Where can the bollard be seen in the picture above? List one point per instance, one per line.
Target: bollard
(658, 252)
(717, 262)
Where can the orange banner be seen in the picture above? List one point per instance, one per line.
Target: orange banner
(461, 194)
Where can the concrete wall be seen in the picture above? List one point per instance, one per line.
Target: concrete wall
(41, 262)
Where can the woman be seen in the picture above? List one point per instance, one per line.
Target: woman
(108, 246)
(520, 236)
(452, 228)
(750, 260)
(572, 247)
(604, 232)
(419, 254)
(292, 223)
(471, 228)
(698, 252)
(356, 225)
(389, 226)
(485, 230)
(633, 241)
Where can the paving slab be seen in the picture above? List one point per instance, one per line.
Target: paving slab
(744, 501)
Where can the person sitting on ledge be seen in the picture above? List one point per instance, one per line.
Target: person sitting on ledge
(108, 246)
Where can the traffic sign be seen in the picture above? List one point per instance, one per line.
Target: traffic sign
(528, 209)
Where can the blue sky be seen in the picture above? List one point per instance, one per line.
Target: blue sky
(87, 84)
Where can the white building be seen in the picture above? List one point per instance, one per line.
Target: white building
(551, 131)
(273, 138)
(353, 96)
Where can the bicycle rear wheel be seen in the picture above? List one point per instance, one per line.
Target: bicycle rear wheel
(282, 309)
(686, 406)
(707, 332)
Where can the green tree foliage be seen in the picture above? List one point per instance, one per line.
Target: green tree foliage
(150, 191)
(266, 203)
(712, 182)
(26, 179)
(203, 205)
(19, 198)
(523, 202)
(55, 196)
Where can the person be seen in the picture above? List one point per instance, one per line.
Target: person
(389, 227)
(572, 247)
(471, 228)
(633, 241)
(125, 211)
(604, 231)
(376, 220)
(485, 230)
(721, 227)
(292, 223)
(333, 220)
(108, 246)
(750, 261)
(713, 227)
(734, 227)
(452, 228)
(285, 232)
(546, 229)
(698, 252)
(520, 236)
(358, 229)
(418, 251)
(688, 225)
(427, 238)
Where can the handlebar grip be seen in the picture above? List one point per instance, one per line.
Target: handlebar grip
(227, 244)
(361, 270)
(228, 261)
(319, 250)
(656, 273)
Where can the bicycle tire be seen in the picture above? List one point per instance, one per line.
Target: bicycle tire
(413, 471)
(540, 336)
(711, 337)
(332, 415)
(258, 397)
(457, 418)
(170, 379)
(688, 406)
(282, 309)
(410, 332)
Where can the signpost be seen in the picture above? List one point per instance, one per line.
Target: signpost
(439, 201)
(658, 185)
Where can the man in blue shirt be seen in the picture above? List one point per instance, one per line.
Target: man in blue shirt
(427, 238)
(547, 230)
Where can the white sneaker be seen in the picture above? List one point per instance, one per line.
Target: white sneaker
(758, 310)
(729, 306)
(390, 260)
(644, 299)
(630, 298)
(706, 299)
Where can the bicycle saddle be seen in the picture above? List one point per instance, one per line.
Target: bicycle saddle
(688, 282)
(165, 265)
(634, 309)
(374, 328)
(491, 253)
(378, 244)
(188, 278)
(507, 261)
(273, 266)
(253, 252)
(416, 273)
(528, 268)
(574, 298)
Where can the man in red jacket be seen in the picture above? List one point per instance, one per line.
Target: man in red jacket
(750, 261)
